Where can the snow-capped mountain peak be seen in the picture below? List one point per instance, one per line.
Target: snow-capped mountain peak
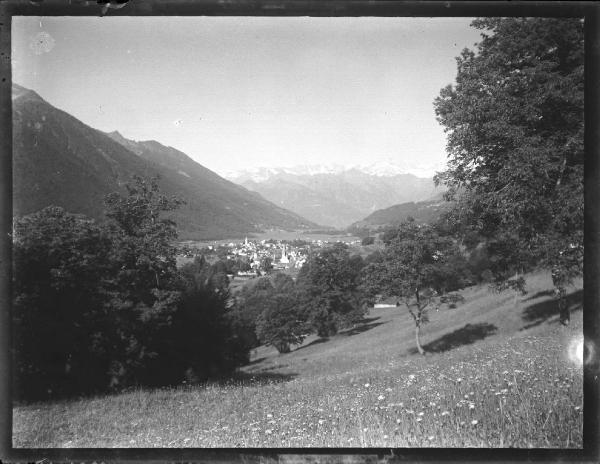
(386, 168)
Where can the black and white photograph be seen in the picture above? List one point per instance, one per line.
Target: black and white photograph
(297, 232)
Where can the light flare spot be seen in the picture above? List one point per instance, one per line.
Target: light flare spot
(577, 351)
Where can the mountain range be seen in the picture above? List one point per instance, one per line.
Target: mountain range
(59, 160)
(336, 196)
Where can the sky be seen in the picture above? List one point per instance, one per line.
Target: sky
(241, 92)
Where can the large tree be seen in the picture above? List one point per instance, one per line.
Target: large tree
(417, 266)
(329, 283)
(514, 122)
(282, 321)
(60, 318)
(144, 282)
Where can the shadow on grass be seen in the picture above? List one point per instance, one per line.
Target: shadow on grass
(256, 361)
(539, 294)
(260, 378)
(362, 326)
(537, 313)
(466, 335)
(314, 342)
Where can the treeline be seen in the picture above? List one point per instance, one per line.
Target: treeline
(326, 297)
(102, 306)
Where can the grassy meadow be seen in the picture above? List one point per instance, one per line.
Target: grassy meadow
(500, 372)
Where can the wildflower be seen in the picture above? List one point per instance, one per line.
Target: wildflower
(466, 397)
(367, 385)
(445, 413)
(577, 408)
(398, 421)
(388, 390)
(411, 377)
(321, 421)
(462, 422)
(459, 380)
(471, 393)
(431, 403)
(421, 413)
(505, 372)
(269, 416)
(365, 429)
(268, 431)
(430, 437)
(474, 422)
(385, 437)
(419, 419)
(471, 406)
(381, 397)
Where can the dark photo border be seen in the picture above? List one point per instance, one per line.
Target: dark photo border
(590, 11)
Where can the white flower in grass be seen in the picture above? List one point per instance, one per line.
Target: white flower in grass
(421, 413)
(419, 419)
(398, 421)
(367, 385)
(411, 377)
(474, 422)
(471, 406)
(268, 431)
(445, 413)
(431, 437)
(381, 397)
(269, 416)
(459, 380)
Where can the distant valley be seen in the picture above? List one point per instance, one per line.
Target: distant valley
(59, 160)
(336, 197)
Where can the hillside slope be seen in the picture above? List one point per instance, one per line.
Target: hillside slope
(501, 373)
(422, 211)
(58, 160)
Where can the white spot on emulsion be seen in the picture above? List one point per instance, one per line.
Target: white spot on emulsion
(41, 43)
(576, 351)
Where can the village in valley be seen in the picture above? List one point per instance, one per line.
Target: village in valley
(305, 231)
(252, 258)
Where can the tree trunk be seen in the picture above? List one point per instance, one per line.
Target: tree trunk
(563, 307)
(417, 339)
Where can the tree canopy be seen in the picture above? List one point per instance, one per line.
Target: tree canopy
(514, 122)
(100, 306)
(417, 266)
(331, 288)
